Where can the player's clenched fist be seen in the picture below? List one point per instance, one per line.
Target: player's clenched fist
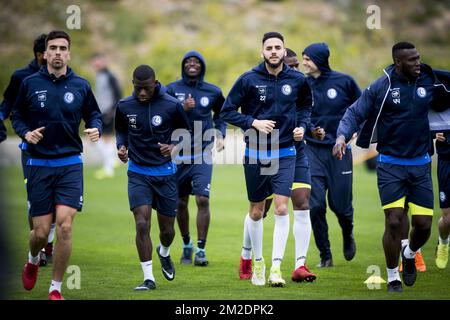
(93, 134)
(122, 153)
(35, 136)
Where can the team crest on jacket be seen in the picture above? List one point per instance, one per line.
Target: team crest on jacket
(204, 101)
(42, 95)
(68, 97)
(132, 120)
(421, 92)
(180, 96)
(331, 93)
(395, 93)
(156, 120)
(262, 91)
(442, 196)
(286, 89)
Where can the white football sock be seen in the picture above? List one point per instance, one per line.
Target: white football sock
(256, 235)
(55, 285)
(147, 268)
(393, 274)
(247, 242)
(302, 235)
(405, 242)
(280, 236)
(33, 260)
(409, 254)
(164, 251)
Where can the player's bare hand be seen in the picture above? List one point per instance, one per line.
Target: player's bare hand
(339, 147)
(298, 133)
(189, 103)
(122, 153)
(35, 136)
(93, 134)
(220, 144)
(440, 137)
(318, 133)
(166, 149)
(264, 126)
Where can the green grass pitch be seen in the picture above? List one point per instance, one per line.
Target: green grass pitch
(105, 252)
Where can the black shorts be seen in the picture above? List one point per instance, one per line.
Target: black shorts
(194, 179)
(263, 180)
(302, 172)
(51, 186)
(410, 181)
(160, 192)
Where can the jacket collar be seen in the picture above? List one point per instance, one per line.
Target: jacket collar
(45, 73)
(261, 69)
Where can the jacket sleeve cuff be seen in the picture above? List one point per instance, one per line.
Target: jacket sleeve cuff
(249, 122)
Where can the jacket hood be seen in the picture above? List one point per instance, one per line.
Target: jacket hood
(319, 54)
(197, 55)
(34, 65)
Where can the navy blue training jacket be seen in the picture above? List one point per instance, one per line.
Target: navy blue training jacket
(285, 99)
(140, 127)
(10, 94)
(333, 92)
(395, 113)
(443, 148)
(207, 97)
(58, 104)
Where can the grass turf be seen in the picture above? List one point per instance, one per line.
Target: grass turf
(105, 252)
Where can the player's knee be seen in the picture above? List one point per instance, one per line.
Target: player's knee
(41, 233)
(256, 213)
(422, 223)
(167, 232)
(281, 209)
(394, 223)
(300, 204)
(202, 202)
(446, 219)
(446, 215)
(142, 227)
(65, 230)
(182, 203)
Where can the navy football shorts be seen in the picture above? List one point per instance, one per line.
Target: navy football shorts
(443, 172)
(302, 175)
(160, 192)
(263, 179)
(194, 179)
(413, 183)
(48, 187)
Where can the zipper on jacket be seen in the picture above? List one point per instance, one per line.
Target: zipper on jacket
(150, 119)
(276, 95)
